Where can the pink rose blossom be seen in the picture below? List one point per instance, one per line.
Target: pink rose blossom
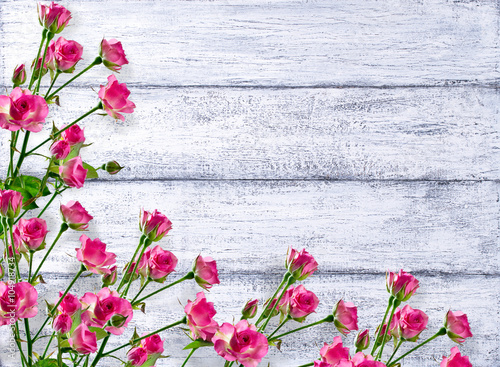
(32, 234)
(412, 322)
(22, 110)
(114, 98)
(402, 285)
(457, 326)
(11, 203)
(322, 364)
(200, 320)
(53, 17)
(361, 360)
(69, 305)
(362, 340)
(153, 344)
(112, 54)
(334, 352)
(240, 342)
(82, 340)
(66, 55)
(455, 359)
(345, 317)
(154, 225)
(205, 272)
(62, 323)
(20, 303)
(302, 303)
(75, 216)
(300, 264)
(73, 135)
(137, 356)
(60, 149)
(19, 75)
(73, 173)
(161, 263)
(250, 309)
(93, 255)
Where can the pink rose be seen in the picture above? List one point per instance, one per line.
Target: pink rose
(53, 17)
(73, 173)
(360, 360)
(240, 342)
(60, 149)
(69, 305)
(62, 323)
(32, 233)
(401, 286)
(154, 225)
(457, 326)
(67, 54)
(153, 344)
(334, 352)
(302, 303)
(75, 216)
(73, 135)
(93, 255)
(200, 320)
(114, 98)
(250, 309)
(137, 356)
(112, 54)
(455, 359)
(11, 203)
(362, 340)
(345, 317)
(19, 75)
(205, 272)
(300, 264)
(412, 322)
(82, 340)
(322, 364)
(161, 263)
(22, 110)
(18, 302)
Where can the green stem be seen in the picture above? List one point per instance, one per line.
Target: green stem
(441, 331)
(44, 36)
(22, 154)
(122, 281)
(50, 35)
(54, 195)
(132, 274)
(30, 266)
(64, 228)
(140, 290)
(395, 303)
(189, 356)
(82, 269)
(182, 321)
(29, 342)
(23, 357)
(59, 352)
(48, 345)
(56, 134)
(12, 149)
(101, 351)
(375, 346)
(285, 279)
(97, 61)
(18, 274)
(189, 275)
(279, 327)
(395, 350)
(329, 318)
(289, 282)
(52, 83)
(307, 365)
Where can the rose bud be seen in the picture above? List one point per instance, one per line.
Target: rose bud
(22, 110)
(395, 325)
(457, 326)
(205, 272)
(302, 303)
(284, 303)
(271, 305)
(53, 17)
(334, 352)
(93, 255)
(69, 305)
(73, 135)
(72, 172)
(362, 340)
(114, 98)
(19, 75)
(160, 264)
(82, 340)
(154, 225)
(75, 216)
(345, 317)
(200, 320)
(112, 54)
(250, 309)
(110, 279)
(142, 268)
(67, 54)
(10, 203)
(402, 285)
(412, 323)
(153, 344)
(137, 356)
(23, 305)
(455, 359)
(300, 264)
(32, 234)
(240, 342)
(380, 336)
(60, 149)
(62, 323)
(112, 167)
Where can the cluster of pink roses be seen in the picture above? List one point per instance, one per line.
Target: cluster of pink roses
(150, 347)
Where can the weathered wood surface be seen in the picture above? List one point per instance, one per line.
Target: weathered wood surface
(277, 43)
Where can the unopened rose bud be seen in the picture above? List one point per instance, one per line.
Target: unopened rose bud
(10, 203)
(345, 317)
(110, 279)
(250, 309)
(154, 225)
(270, 306)
(19, 75)
(300, 264)
(401, 285)
(60, 149)
(362, 340)
(113, 167)
(62, 323)
(457, 326)
(53, 17)
(118, 320)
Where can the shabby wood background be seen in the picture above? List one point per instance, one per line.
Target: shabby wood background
(366, 131)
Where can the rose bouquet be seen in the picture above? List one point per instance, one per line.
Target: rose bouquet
(75, 328)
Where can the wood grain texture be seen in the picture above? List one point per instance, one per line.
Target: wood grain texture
(403, 133)
(278, 43)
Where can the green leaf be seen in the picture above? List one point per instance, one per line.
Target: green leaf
(100, 333)
(48, 363)
(199, 343)
(92, 172)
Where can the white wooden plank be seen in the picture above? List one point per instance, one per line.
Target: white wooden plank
(351, 227)
(403, 133)
(477, 296)
(274, 43)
